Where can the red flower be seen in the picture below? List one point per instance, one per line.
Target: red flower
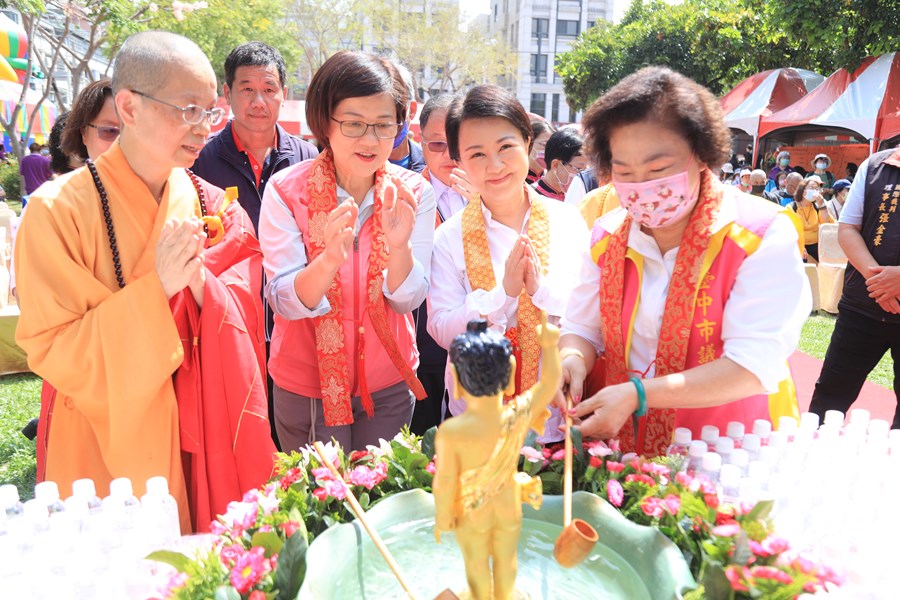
(652, 506)
(683, 478)
(290, 528)
(256, 595)
(249, 569)
(360, 455)
(734, 577)
(712, 500)
(596, 462)
(320, 494)
(640, 477)
(614, 467)
(724, 518)
(290, 478)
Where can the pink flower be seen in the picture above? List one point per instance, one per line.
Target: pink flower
(759, 550)
(733, 573)
(432, 469)
(614, 467)
(730, 530)
(532, 455)
(290, 528)
(240, 516)
(655, 469)
(684, 479)
(776, 545)
(672, 504)
(559, 454)
(771, 573)
(249, 569)
(216, 528)
(229, 555)
(614, 492)
(322, 474)
(652, 506)
(178, 580)
(614, 445)
(335, 489)
(598, 448)
(365, 477)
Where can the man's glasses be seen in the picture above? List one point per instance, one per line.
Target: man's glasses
(107, 134)
(436, 147)
(357, 129)
(192, 114)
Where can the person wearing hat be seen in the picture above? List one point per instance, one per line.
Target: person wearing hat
(726, 173)
(821, 163)
(835, 206)
(743, 181)
(782, 165)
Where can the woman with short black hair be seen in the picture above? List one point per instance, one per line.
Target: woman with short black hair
(564, 162)
(540, 132)
(346, 241)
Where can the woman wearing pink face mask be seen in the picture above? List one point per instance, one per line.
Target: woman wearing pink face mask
(541, 132)
(564, 161)
(679, 290)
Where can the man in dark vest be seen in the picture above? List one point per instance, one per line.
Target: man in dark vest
(868, 322)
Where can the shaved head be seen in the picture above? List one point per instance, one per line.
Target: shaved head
(147, 60)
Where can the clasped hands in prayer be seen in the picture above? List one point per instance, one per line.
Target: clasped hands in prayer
(398, 218)
(522, 270)
(179, 258)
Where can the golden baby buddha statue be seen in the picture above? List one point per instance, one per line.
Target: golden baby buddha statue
(478, 491)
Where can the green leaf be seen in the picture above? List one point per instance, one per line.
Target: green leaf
(174, 559)
(531, 439)
(364, 500)
(428, 443)
(268, 540)
(760, 511)
(291, 566)
(578, 443)
(226, 592)
(742, 552)
(716, 584)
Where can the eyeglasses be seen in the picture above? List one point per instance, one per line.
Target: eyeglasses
(566, 167)
(192, 114)
(107, 134)
(357, 129)
(436, 147)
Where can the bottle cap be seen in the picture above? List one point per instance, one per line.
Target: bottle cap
(740, 458)
(762, 428)
(725, 445)
(879, 428)
(787, 424)
(735, 430)
(709, 434)
(697, 449)
(730, 476)
(860, 415)
(683, 436)
(778, 439)
(84, 488)
(121, 488)
(158, 486)
(9, 495)
(712, 462)
(751, 443)
(46, 492)
(809, 421)
(834, 417)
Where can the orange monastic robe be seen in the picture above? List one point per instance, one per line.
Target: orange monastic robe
(111, 353)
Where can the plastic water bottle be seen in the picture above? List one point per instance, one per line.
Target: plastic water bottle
(809, 421)
(762, 428)
(724, 448)
(9, 499)
(710, 435)
(788, 425)
(712, 464)
(681, 443)
(736, 432)
(752, 444)
(730, 481)
(122, 512)
(878, 428)
(835, 418)
(47, 493)
(86, 506)
(160, 515)
(740, 458)
(695, 455)
(860, 415)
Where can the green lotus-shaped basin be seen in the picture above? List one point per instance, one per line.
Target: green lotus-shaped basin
(630, 561)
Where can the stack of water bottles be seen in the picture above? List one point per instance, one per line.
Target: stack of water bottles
(835, 488)
(84, 547)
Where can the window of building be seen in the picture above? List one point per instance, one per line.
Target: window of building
(590, 24)
(539, 67)
(554, 108)
(538, 104)
(568, 28)
(495, 12)
(540, 28)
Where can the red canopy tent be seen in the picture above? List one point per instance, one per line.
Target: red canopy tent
(864, 103)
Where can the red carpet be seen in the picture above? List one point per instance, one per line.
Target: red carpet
(878, 400)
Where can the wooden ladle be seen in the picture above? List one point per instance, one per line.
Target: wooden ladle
(578, 537)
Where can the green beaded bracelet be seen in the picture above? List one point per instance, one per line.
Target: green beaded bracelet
(642, 396)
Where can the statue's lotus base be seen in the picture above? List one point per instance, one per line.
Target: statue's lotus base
(629, 562)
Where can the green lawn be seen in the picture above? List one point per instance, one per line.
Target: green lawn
(20, 402)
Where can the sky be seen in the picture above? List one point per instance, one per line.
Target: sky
(474, 7)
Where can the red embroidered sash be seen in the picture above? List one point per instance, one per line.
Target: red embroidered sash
(655, 430)
(334, 376)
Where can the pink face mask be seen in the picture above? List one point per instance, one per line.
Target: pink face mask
(658, 202)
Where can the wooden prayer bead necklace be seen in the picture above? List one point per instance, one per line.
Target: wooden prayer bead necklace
(110, 230)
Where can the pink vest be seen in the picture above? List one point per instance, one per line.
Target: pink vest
(728, 248)
(294, 362)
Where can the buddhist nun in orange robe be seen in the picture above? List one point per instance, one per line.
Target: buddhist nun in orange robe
(166, 374)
